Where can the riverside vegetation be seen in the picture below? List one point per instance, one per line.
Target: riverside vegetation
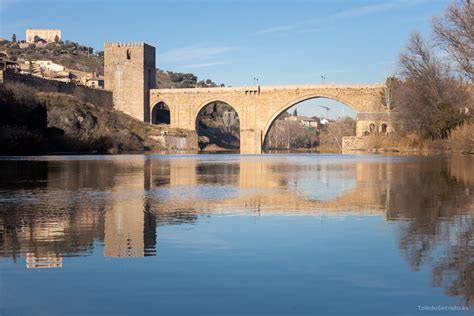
(432, 100)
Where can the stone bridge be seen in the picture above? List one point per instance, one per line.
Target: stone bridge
(130, 74)
(258, 107)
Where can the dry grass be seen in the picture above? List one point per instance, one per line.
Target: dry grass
(461, 139)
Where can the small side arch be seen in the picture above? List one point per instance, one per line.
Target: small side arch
(160, 113)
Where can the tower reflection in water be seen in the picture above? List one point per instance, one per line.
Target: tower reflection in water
(52, 209)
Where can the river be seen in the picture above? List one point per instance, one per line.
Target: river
(287, 234)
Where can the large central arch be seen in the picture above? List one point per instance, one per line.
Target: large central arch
(295, 102)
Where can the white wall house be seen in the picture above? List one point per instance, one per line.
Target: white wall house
(48, 64)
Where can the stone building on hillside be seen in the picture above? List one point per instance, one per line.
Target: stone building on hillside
(49, 35)
(374, 124)
(88, 79)
(44, 69)
(309, 122)
(95, 82)
(304, 121)
(48, 64)
(49, 70)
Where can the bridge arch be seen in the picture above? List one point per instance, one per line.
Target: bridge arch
(204, 104)
(225, 136)
(160, 113)
(297, 101)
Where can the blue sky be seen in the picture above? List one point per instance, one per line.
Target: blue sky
(233, 41)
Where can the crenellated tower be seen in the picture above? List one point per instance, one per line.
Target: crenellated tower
(130, 74)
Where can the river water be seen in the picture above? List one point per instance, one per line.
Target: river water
(236, 235)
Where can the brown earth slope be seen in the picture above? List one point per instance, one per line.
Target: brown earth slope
(33, 122)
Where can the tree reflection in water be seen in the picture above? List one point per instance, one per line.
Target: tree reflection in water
(433, 205)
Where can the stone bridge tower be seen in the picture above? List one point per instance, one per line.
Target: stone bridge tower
(130, 74)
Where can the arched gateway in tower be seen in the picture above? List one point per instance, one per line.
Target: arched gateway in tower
(130, 74)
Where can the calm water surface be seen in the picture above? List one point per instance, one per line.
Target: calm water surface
(236, 235)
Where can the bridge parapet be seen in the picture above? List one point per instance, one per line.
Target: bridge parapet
(271, 88)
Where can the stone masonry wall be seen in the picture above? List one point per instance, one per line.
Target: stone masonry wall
(98, 97)
(130, 73)
(355, 144)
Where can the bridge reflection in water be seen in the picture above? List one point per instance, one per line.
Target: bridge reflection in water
(51, 209)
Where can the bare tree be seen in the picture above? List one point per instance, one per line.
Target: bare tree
(285, 134)
(454, 32)
(418, 62)
(429, 100)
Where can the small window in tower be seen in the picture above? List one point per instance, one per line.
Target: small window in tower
(129, 54)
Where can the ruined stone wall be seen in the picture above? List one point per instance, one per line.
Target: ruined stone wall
(130, 74)
(183, 143)
(355, 144)
(97, 97)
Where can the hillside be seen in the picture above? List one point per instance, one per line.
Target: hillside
(169, 79)
(34, 122)
(69, 54)
(75, 56)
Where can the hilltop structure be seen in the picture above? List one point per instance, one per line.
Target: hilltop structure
(49, 35)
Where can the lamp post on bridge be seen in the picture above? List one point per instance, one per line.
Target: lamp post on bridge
(323, 79)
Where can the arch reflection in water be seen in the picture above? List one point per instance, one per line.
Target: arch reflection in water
(51, 209)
